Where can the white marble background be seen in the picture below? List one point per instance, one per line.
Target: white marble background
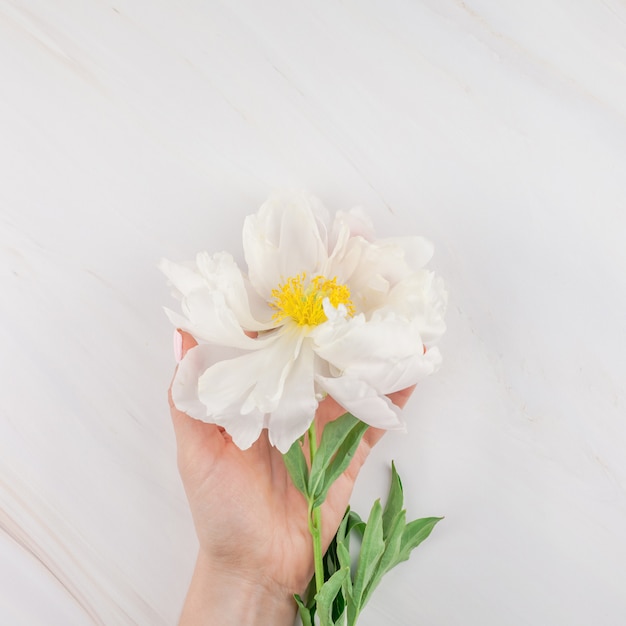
(135, 129)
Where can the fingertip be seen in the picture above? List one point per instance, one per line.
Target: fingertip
(182, 343)
(177, 345)
(400, 398)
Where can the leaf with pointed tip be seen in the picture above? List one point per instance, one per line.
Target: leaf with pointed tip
(333, 435)
(297, 468)
(339, 462)
(304, 612)
(389, 559)
(351, 521)
(395, 500)
(343, 554)
(414, 533)
(342, 531)
(372, 549)
(326, 596)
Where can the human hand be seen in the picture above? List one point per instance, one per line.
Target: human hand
(255, 548)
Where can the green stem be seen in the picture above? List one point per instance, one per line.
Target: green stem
(315, 521)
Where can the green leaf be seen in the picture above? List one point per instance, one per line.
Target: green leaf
(395, 499)
(400, 538)
(394, 521)
(372, 549)
(333, 436)
(305, 613)
(339, 462)
(342, 531)
(330, 560)
(352, 609)
(345, 452)
(414, 533)
(297, 467)
(346, 589)
(326, 596)
(393, 544)
(389, 559)
(339, 605)
(351, 521)
(343, 554)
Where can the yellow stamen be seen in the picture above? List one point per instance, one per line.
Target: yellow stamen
(303, 302)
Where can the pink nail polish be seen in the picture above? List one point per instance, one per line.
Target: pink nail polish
(178, 346)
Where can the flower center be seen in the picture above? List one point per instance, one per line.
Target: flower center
(303, 303)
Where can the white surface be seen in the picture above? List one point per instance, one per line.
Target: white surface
(133, 130)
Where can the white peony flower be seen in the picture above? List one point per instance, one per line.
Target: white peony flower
(324, 309)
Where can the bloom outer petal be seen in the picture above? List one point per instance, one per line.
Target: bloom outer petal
(387, 377)
(386, 353)
(298, 404)
(185, 392)
(363, 401)
(218, 274)
(347, 340)
(277, 382)
(420, 296)
(417, 250)
(182, 278)
(285, 238)
(221, 273)
(207, 317)
(185, 383)
(254, 379)
(243, 429)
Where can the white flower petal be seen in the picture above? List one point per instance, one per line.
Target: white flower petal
(207, 317)
(244, 429)
(420, 296)
(417, 250)
(255, 379)
(358, 398)
(222, 274)
(358, 223)
(185, 384)
(386, 376)
(385, 353)
(345, 255)
(372, 269)
(269, 382)
(298, 404)
(285, 238)
(344, 342)
(183, 278)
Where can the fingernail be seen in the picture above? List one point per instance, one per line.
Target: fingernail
(178, 346)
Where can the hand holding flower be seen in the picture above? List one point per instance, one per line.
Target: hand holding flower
(328, 321)
(255, 547)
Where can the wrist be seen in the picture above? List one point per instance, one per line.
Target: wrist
(217, 596)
